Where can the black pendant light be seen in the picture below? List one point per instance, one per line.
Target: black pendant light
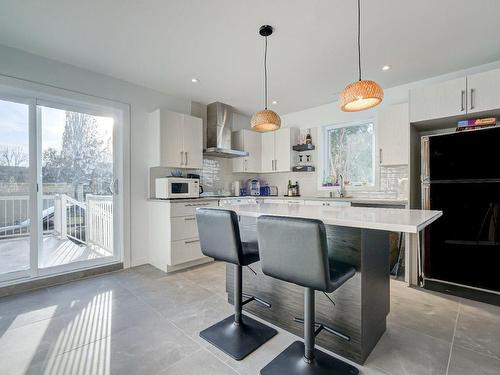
(362, 94)
(265, 120)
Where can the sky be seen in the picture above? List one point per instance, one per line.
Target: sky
(14, 126)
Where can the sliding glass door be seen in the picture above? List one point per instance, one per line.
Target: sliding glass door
(59, 187)
(15, 179)
(77, 187)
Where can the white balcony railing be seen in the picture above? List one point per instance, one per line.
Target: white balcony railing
(14, 215)
(89, 222)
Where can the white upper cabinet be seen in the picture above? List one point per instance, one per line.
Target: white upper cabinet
(268, 152)
(180, 139)
(249, 141)
(462, 96)
(284, 140)
(483, 91)
(268, 156)
(277, 154)
(393, 134)
(192, 142)
(437, 101)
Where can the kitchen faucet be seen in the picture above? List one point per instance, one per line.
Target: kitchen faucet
(342, 186)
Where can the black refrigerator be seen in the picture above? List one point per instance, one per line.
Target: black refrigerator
(461, 177)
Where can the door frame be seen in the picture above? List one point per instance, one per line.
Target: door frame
(9, 97)
(36, 93)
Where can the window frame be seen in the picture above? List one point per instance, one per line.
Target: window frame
(323, 154)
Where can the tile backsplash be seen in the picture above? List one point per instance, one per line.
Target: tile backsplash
(216, 177)
(392, 183)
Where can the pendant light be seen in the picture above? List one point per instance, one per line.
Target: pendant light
(363, 94)
(265, 120)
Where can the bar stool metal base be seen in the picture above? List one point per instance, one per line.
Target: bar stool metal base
(238, 341)
(291, 362)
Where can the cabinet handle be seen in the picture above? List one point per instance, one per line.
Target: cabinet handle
(462, 101)
(182, 158)
(192, 241)
(196, 204)
(275, 164)
(472, 91)
(380, 156)
(186, 154)
(189, 218)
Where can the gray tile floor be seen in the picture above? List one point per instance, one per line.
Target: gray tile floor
(141, 321)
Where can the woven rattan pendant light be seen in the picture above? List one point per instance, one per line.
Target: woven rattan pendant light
(363, 94)
(265, 120)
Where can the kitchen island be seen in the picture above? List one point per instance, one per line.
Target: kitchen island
(356, 235)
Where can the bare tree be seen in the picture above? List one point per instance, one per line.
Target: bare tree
(13, 156)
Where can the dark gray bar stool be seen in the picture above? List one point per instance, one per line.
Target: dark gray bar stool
(219, 233)
(295, 250)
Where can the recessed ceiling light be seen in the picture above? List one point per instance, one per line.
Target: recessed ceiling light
(195, 80)
(386, 67)
(274, 102)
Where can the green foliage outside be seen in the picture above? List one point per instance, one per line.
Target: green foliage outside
(351, 155)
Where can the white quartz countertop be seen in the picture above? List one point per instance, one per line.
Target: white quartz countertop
(389, 219)
(374, 201)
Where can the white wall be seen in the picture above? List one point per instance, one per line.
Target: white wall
(19, 64)
(329, 114)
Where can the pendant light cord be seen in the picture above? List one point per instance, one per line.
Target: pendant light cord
(359, 39)
(265, 76)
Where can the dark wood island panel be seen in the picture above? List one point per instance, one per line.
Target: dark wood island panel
(361, 304)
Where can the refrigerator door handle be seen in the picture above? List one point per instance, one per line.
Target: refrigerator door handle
(424, 161)
(426, 196)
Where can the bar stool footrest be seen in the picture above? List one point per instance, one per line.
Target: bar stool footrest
(240, 340)
(291, 362)
(327, 328)
(256, 299)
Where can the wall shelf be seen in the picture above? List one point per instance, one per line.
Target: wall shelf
(303, 168)
(304, 147)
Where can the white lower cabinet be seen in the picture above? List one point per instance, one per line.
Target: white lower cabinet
(328, 203)
(282, 201)
(173, 234)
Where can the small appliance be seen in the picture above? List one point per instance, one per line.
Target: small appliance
(177, 187)
(273, 191)
(235, 187)
(265, 191)
(253, 186)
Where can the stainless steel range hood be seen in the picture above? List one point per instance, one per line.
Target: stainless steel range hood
(219, 129)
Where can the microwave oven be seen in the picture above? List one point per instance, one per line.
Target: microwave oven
(177, 187)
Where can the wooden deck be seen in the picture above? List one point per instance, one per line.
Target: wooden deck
(14, 253)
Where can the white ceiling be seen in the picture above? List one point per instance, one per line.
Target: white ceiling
(162, 44)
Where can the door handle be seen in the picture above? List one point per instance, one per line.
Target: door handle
(472, 91)
(113, 187)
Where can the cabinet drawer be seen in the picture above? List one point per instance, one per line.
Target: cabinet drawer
(238, 201)
(331, 203)
(185, 251)
(189, 208)
(183, 227)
